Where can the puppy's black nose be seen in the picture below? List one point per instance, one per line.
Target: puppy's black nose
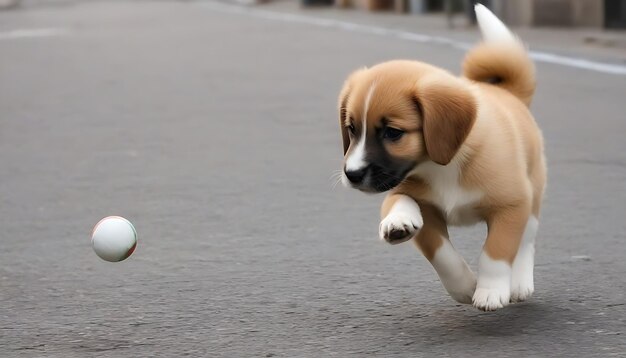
(356, 176)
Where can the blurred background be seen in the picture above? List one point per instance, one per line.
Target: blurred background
(212, 127)
(598, 14)
(580, 13)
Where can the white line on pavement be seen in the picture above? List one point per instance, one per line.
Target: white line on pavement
(26, 33)
(538, 56)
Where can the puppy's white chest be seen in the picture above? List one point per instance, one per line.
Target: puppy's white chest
(456, 203)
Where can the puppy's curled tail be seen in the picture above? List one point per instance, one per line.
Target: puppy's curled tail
(501, 59)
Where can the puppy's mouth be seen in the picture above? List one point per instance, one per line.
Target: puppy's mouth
(367, 189)
(375, 181)
(382, 185)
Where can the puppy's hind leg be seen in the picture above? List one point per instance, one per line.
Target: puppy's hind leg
(455, 275)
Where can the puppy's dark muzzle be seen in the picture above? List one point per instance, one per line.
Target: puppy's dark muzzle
(372, 179)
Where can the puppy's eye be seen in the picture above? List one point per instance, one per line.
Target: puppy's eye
(352, 129)
(393, 134)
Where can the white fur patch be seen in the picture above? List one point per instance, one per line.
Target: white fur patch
(356, 159)
(456, 276)
(405, 215)
(522, 283)
(446, 192)
(493, 289)
(491, 27)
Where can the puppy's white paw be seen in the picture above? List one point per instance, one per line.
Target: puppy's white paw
(399, 227)
(490, 299)
(522, 290)
(493, 290)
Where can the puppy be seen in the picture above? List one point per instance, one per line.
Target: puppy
(453, 151)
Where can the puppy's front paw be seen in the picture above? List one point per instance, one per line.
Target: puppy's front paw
(397, 228)
(491, 299)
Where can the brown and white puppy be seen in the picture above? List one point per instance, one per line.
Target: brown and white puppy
(453, 151)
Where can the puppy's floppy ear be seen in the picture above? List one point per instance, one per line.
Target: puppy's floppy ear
(344, 96)
(448, 110)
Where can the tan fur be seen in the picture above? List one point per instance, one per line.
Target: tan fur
(343, 103)
(505, 65)
(449, 111)
(485, 129)
(431, 236)
(388, 203)
(506, 227)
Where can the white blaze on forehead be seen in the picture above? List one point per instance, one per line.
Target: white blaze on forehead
(356, 159)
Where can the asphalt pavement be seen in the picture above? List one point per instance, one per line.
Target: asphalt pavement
(214, 130)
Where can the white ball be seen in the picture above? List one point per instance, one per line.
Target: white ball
(114, 238)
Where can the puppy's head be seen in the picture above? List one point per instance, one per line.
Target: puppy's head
(395, 116)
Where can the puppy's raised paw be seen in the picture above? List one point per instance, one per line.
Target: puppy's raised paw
(397, 228)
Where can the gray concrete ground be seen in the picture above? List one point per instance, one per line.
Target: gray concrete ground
(215, 133)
